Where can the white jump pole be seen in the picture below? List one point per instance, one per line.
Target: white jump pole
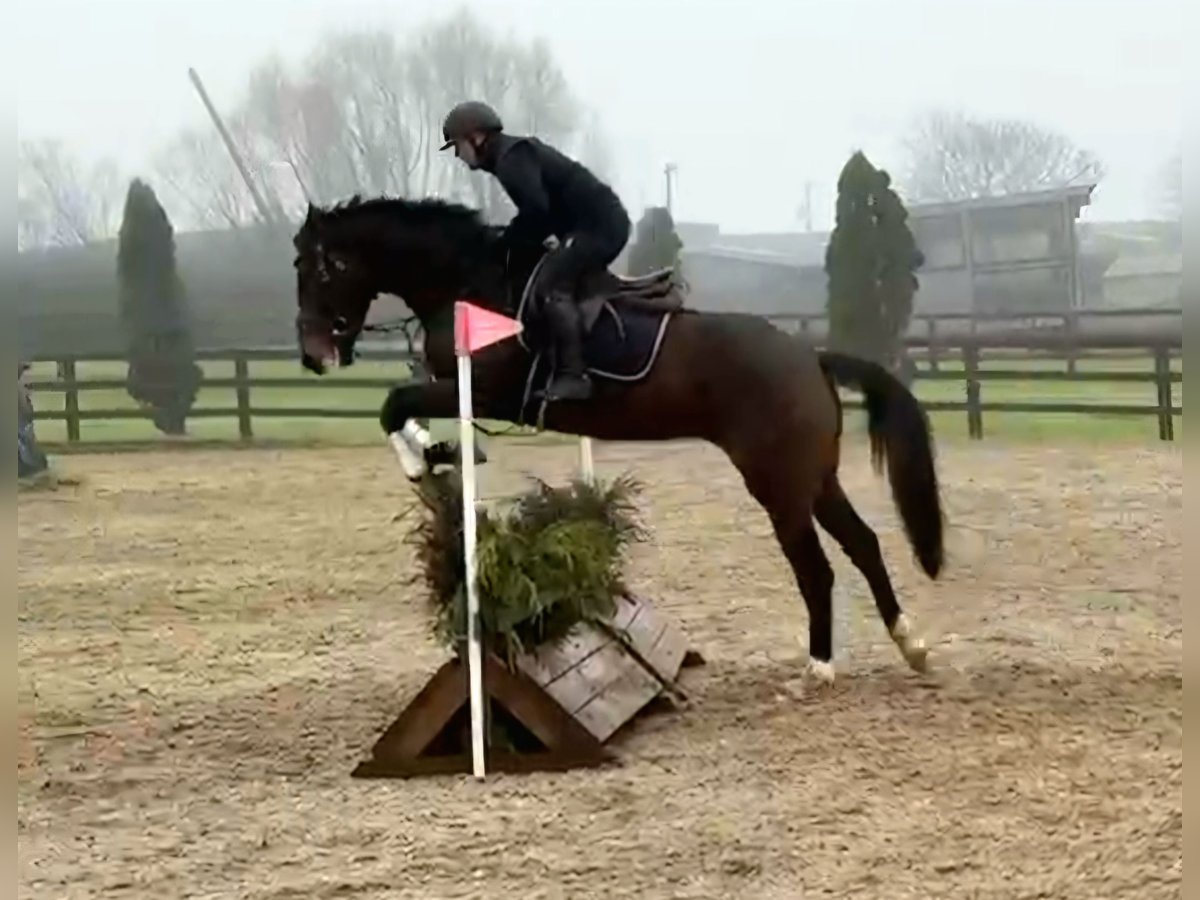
(587, 463)
(474, 328)
(466, 426)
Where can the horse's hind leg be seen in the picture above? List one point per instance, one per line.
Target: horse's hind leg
(787, 496)
(837, 516)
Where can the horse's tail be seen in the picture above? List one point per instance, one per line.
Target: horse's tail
(900, 433)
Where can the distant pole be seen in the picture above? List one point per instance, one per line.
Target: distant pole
(669, 171)
(808, 206)
(263, 209)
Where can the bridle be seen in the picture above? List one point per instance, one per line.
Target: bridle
(402, 325)
(410, 326)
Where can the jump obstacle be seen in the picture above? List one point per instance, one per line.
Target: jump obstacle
(560, 702)
(556, 707)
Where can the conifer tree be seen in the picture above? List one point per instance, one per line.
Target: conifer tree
(870, 261)
(163, 376)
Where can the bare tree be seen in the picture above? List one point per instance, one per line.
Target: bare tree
(542, 101)
(363, 114)
(62, 200)
(593, 148)
(464, 60)
(952, 157)
(376, 111)
(203, 186)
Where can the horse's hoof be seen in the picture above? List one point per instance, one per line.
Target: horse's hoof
(917, 656)
(912, 646)
(821, 672)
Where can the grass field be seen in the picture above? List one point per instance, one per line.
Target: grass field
(340, 391)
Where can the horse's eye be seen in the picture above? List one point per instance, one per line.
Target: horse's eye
(340, 323)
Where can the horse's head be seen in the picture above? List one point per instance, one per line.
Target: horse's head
(427, 252)
(335, 285)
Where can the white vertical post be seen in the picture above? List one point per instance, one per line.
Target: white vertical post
(587, 463)
(474, 645)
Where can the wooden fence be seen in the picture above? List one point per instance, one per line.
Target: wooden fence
(966, 352)
(938, 333)
(1077, 322)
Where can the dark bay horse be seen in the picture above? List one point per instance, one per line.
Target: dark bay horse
(765, 397)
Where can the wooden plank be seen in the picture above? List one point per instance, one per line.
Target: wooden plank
(588, 664)
(1040, 375)
(545, 719)
(658, 639)
(668, 653)
(341, 384)
(930, 374)
(551, 661)
(1162, 371)
(1131, 410)
(572, 688)
(644, 631)
(421, 720)
(627, 609)
(70, 399)
(241, 368)
(621, 700)
(400, 750)
(600, 670)
(970, 357)
(590, 677)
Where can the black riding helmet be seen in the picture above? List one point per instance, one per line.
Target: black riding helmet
(472, 115)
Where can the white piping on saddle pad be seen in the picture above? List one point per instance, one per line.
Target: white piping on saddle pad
(651, 357)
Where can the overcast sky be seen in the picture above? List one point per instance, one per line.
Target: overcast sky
(751, 98)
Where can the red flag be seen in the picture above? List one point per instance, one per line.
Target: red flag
(476, 327)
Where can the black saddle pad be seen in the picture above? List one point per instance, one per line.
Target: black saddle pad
(622, 344)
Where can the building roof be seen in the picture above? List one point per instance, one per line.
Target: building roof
(1080, 195)
(806, 247)
(746, 254)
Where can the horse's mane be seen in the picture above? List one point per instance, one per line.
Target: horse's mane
(461, 222)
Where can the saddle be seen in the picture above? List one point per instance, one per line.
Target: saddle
(624, 321)
(655, 292)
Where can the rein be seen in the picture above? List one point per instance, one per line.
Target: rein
(404, 325)
(394, 326)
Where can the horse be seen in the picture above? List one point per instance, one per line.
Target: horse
(662, 371)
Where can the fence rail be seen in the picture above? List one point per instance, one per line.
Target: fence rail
(966, 352)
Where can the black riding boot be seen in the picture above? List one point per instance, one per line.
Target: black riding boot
(570, 380)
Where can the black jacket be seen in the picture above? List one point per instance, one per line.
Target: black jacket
(554, 194)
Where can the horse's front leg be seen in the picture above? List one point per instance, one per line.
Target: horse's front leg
(400, 417)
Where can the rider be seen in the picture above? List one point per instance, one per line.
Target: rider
(554, 195)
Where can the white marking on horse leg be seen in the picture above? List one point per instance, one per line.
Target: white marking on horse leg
(409, 444)
(821, 670)
(911, 645)
(416, 435)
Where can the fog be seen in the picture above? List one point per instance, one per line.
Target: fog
(753, 100)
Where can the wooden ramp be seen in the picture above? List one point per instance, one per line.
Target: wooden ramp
(554, 711)
(603, 676)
